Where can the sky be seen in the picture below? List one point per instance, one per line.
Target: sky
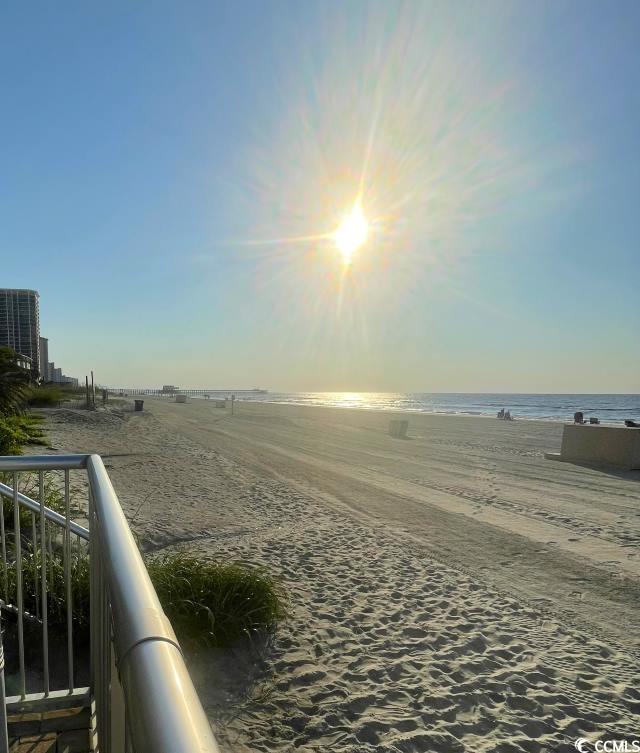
(172, 176)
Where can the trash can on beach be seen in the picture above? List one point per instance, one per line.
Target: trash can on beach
(138, 404)
(398, 428)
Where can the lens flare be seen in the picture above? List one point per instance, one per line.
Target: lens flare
(394, 149)
(352, 233)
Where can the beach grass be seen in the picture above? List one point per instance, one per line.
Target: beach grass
(46, 396)
(214, 603)
(56, 586)
(28, 484)
(51, 395)
(19, 430)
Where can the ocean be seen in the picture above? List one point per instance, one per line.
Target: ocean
(608, 408)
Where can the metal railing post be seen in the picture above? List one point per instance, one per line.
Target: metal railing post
(43, 582)
(5, 574)
(4, 733)
(19, 594)
(95, 601)
(67, 578)
(118, 712)
(105, 664)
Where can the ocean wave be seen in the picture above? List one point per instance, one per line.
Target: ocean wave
(535, 407)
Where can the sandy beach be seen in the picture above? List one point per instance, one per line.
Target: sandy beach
(453, 591)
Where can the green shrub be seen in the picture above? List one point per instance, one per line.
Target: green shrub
(56, 586)
(212, 603)
(45, 396)
(12, 436)
(28, 484)
(17, 431)
(14, 383)
(30, 423)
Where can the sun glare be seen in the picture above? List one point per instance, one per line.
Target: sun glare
(352, 233)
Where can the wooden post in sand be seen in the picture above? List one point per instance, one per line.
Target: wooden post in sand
(86, 383)
(93, 391)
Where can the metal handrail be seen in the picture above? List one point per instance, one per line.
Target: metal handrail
(136, 610)
(167, 713)
(130, 634)
(43, 462)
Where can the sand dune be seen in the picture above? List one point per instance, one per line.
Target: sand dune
(449, 592)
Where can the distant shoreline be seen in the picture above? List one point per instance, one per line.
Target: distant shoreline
(554, 408)
(405, 412)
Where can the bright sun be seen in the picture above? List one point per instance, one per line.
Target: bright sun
(351, 233)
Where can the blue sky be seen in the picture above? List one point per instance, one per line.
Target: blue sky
(156, 159)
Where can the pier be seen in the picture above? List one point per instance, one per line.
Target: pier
(155, 392)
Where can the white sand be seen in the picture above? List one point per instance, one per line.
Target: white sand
(452, 591)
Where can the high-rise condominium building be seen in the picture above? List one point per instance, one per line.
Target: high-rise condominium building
(20, 323)
(43, 349)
